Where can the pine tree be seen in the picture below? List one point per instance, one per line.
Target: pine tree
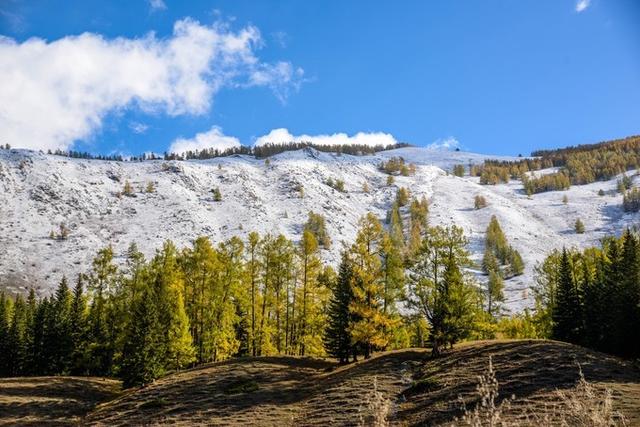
(495, 293)
(61, 328)
(627, 307)
(565, 314)
(438, 290)
(4, 335)
(18, 341)
(337, 338)
(78, 363)
(142, 355)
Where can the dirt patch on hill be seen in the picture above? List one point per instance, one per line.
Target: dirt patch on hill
(52, 401)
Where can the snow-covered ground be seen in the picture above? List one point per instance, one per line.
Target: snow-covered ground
(39, 191)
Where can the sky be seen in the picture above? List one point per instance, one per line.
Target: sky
(496, 76)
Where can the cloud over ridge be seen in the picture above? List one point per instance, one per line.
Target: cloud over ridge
(57, 92)
(283, 136)
(213, 138)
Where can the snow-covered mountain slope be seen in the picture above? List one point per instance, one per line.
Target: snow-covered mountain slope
(38, 192)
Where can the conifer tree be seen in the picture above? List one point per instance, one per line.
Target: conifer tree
(310, 265)
(142, 353)
(4, 335)
(61, 328)
(17, 342)
(78, 363)
(371, 329)
(337, 338)
(566, 321)
(495, 293)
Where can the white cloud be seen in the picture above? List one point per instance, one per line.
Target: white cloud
(54, 93)
(582, 5)
(283, 136)
(449, 143)
(214, 138)
(138, 128)
(157, 5)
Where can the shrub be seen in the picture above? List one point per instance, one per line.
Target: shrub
(631, 200)
(217, 195)
(579, 226)
(317, 225)
(479, 202)
(390, 180)
(458, 170)
(150, 187)
(402, 196)
(565, 200)
(127, 190)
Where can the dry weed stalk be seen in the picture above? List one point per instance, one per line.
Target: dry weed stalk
(584, 406)
(377, 410)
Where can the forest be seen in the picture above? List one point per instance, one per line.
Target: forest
(582, 164)
(263, 295)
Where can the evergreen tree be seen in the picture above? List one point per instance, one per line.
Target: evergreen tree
(337, 338)
(60, 329)
(4, 335)
(495, 293)
(566, 319)
(142, 352)
(17, 341)
(78, 363)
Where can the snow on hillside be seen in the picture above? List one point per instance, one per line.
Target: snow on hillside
(41, 191)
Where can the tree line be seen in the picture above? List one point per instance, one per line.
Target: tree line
(263, 295)
(592, 297)
(582, 164)
(259, 152)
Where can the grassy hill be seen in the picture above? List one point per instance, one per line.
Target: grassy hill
(405, 387)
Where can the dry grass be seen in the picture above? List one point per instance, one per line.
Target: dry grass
(540, 380)
(404, 388)
(51, 401)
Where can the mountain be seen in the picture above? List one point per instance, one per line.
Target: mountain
(40, 192)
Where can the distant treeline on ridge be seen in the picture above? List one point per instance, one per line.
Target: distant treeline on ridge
(260, 151)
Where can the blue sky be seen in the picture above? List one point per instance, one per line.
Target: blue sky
(501, 77)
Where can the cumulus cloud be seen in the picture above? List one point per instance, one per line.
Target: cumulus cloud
(54, 93)
(157, 5)
(582, 5)
(214, 138)
(283, 136)
(449, 143)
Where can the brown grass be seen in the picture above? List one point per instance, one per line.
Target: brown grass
(404, 388)
(51, 401)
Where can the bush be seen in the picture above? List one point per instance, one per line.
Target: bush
(631, 200)
(127, 190)
(479, 202)
(390, 180)
(458, 170)
(402, 196)
(151, 188)
(217, 195)
(579, 226)
(317, 225)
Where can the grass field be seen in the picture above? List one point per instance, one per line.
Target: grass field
(403, 388)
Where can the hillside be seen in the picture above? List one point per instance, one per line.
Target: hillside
(413, 389)
(52, 401)
(41, 191)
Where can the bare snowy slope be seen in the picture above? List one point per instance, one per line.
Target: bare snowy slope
(38, 192)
